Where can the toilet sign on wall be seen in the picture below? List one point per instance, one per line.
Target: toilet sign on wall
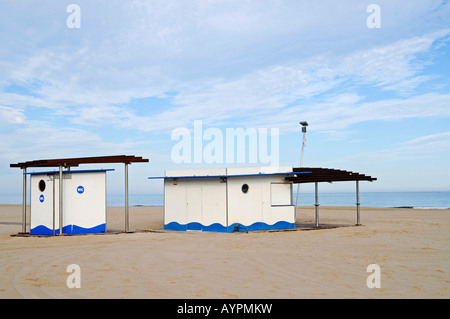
(80, 189)
(41, 198)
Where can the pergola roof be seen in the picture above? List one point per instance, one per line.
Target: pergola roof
(67, 162)
(326, 175)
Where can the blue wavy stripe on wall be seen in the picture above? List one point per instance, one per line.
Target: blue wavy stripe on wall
(234, 227)
(69, 230)
(42, 230)
(216, 227)
(74, 229)
(175, 226)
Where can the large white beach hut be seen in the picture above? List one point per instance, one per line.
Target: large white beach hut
(228, 199)
(242, 199)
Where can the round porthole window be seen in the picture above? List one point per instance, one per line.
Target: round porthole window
(245, 188)
(42, 185)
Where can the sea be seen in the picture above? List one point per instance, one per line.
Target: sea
(422, 200)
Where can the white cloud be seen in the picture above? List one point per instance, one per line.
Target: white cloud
(393, 66)
(435, 143)
(139, 49)
(227, 60)
(424, 147)
(429, 138)
(10, 115)
(298, 90)
(17, 100)
(341, 114)
(37, 140)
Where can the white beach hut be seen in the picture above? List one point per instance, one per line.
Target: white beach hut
(84, 202)
(242, 199)
(75, 206)
(228, 199)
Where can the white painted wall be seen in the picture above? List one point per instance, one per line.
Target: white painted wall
(210, 200)
(195, 200)
(256, 204)
(86, 210)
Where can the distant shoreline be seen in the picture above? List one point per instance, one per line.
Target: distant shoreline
(405, 200)
(300, 207)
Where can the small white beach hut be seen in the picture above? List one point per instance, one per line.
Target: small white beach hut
(228, 199)
(75, 206)
(84, 202)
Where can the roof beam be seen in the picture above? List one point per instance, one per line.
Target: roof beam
(66, 162)
(326, 175)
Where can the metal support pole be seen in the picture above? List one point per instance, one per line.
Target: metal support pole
(126, 199)
(54, 202)
(357, 204)
(301, 165)
(60, 200)
(317, 204)
(24, 202)
(303, 148)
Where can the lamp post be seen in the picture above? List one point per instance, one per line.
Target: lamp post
(304, 124)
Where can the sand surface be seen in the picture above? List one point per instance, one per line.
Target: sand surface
(410, 246)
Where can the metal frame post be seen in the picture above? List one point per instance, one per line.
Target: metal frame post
(301, 165)
(357, 204)
(127, 226)
(317, 204)
(24, 202)
(54, 202)
(60, 200)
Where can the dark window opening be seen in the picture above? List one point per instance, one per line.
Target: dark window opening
(42, 185)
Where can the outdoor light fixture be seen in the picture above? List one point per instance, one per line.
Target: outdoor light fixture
(304, 124)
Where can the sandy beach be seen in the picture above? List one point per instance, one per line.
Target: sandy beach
(411, 247)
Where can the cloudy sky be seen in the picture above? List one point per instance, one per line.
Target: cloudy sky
(377, 100)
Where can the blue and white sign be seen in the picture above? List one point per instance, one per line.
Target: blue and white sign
(80, 189)
(41, 198)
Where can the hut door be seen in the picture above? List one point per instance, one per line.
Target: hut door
(194, 207)
(41, 221)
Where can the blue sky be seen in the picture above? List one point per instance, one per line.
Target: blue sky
(377, 99)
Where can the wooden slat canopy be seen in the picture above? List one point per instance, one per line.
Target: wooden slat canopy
(68, 162)
(326, 175)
